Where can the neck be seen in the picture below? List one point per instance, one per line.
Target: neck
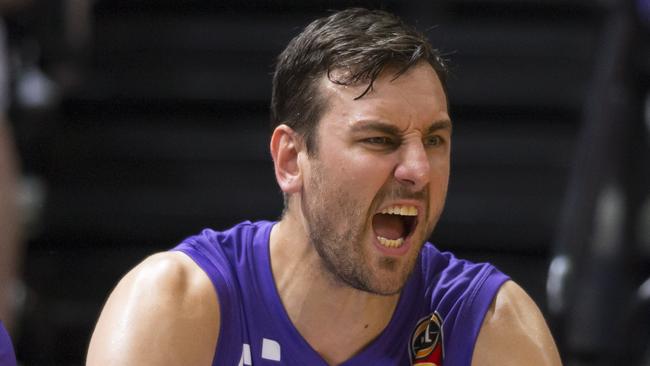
(337, 325)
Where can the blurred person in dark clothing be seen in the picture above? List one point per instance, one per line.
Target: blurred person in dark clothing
(10, 247)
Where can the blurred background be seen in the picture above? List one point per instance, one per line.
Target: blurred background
(133, 124)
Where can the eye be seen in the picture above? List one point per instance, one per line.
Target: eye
(379, 140)
(433, 140)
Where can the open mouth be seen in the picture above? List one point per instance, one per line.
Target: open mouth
(394, 224)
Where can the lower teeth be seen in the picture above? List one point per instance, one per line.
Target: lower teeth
(391, 243)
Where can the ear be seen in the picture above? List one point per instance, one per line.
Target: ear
(286, 145)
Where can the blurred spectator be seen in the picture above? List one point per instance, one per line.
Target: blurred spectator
(9, 247)
(9, 218)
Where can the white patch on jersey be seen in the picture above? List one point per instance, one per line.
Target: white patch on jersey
(270, 350)
(245, 359)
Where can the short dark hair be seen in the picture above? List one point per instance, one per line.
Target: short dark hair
(359, 41)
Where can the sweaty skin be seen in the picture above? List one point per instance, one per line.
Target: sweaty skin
(514, 332)
(163, 312)
(397, 141)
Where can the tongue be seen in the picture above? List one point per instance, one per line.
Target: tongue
(388, 226)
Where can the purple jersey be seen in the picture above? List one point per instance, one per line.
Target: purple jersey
(438, 316)
(7, 356)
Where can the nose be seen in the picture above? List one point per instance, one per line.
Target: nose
(414, 167)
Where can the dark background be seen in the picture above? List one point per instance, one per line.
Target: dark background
(140, 122)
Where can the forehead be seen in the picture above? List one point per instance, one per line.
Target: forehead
(415, 99)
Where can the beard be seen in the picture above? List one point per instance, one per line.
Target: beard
(338, 226)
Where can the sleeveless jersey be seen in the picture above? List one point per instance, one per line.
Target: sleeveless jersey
(7, 356)
(436, 321)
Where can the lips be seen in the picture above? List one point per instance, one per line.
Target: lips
(394, 224)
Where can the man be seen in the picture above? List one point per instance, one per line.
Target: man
(361, 150)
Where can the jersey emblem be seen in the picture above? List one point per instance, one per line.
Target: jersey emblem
(426, 347)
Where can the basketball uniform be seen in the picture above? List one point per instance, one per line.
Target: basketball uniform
(436, 321)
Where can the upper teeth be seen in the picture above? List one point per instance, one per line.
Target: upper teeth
(401, 210)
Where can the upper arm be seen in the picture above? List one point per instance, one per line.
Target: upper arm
(164, 312)
(514, 332)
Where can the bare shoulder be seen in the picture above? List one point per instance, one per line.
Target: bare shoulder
(163, 312)
(514, 332)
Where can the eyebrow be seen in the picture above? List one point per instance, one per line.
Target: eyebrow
(391, 129)
(443, 124)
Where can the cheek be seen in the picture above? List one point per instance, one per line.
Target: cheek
(440, 167)
(439, 183)
(366, 173)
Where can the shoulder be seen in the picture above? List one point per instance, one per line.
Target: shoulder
(172, 274)
(514, 332)
(163, 312)
(227, 245)
(435, 262)
(449, 279)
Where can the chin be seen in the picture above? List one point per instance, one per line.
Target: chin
(391, 275)
(386, 289)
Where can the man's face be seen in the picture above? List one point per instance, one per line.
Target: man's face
(375, 187)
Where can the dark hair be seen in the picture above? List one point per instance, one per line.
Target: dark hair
(359, 41)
